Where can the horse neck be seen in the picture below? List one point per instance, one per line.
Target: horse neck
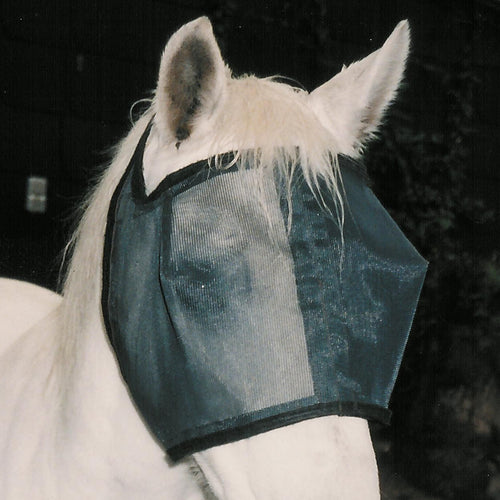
(96, 410)
(77, 434)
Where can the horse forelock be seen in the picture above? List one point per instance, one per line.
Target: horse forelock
(267, 123)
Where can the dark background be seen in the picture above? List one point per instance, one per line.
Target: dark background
(70, 72)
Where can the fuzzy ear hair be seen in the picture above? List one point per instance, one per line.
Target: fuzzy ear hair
(352, 104)
(191, 80)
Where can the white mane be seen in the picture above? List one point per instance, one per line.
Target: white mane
(82, 286)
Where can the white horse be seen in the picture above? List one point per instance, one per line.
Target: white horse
(68, 427)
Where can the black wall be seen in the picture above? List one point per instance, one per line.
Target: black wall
(71, 70)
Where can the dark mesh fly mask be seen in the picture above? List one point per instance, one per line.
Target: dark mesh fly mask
(226, 324)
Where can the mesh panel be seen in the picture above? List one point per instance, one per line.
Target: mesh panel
(230, 289)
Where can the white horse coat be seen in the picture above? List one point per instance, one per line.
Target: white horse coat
(68, 427)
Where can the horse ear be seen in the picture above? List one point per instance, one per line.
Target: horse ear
(191, 81)
(352, 104)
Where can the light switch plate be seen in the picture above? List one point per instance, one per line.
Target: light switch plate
(36, 195)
